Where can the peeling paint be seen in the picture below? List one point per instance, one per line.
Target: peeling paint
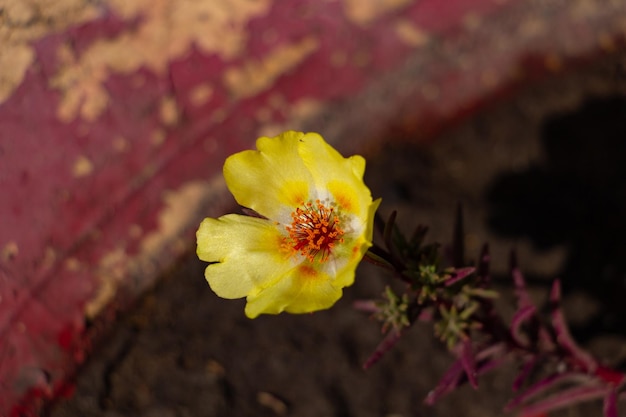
(180, 206)
(169, 111)
(112, 269)
(256, 76)
(49, 258)
(82, 167)
(72, 264)
(296, 114)
(178, 215)
(363, 12)
(10, 251)
(201, 94)
(166, 31)
(158, 137)
(410, 34)
(24, 22)
(120, 144)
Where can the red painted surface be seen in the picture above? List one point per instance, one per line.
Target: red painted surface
(83, 196)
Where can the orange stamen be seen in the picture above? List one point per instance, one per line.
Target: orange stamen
(313, 232)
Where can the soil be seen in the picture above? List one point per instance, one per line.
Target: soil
(542, 173)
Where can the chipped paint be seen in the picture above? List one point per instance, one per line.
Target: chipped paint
(180, 206)
(117, 268)
(82, 167)
(24, 22)
(120, 144)
(410, 33)
(10, 251)
(158, 137)
(166, 31)
(363, 12)
(296, 115)
(256, 76)
(112, 269)
(72, 264)
(201, 94)
(169, 111)
(49, 258)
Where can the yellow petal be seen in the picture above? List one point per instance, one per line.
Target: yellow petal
(247, 253)
(272, 180)
(302, 290)
(341, 177)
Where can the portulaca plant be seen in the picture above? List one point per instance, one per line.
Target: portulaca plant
(310, 220)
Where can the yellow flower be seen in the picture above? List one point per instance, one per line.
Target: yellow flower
(317, 226)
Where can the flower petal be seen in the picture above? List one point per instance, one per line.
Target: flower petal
(302, 290)
(334, 174)
(272, 180)
(246, 252)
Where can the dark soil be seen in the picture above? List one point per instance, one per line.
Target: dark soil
(543, 173)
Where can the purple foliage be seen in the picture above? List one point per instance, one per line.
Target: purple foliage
(541, 343)
(459, 274)
(448, 382)
(610, 404)
(466, 355)
(383, 347)
(565, 398)
(521, 316)
(563, 337)
(524, 373)
(584, 379)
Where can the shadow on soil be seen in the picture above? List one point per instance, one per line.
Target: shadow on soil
(576, 197)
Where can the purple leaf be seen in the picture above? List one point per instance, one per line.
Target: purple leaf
(565, 398)
(483, 265)
(545, 385)
(563, 336)
(529, 365)
(489, 358)
(610, 404)
(383, 347)
(448, 382)
(466, 355)
(367, 306)
(426, 315)
(523, 299)
(459, 274)
(521, 315)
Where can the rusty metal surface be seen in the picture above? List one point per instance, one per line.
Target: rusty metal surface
(115, 118)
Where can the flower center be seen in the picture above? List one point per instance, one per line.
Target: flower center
(313, 232)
